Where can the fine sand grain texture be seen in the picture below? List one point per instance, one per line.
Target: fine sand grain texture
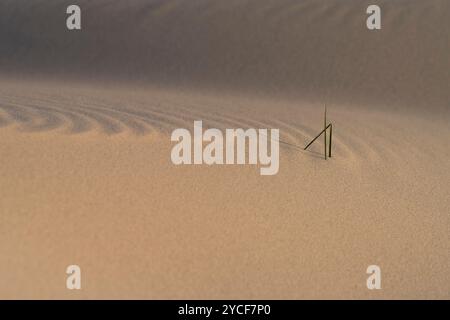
(86, 176)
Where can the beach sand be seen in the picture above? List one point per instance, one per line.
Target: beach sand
(86, 176)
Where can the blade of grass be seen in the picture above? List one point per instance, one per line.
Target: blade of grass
(331, 135)
(325, 129)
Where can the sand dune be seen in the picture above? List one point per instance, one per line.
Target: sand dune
(86, 176)
(306, 49)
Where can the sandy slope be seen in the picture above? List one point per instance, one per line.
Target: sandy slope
(86, 176)
(99, 190)
(319, 49)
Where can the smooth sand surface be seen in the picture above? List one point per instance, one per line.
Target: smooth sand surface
(86, 176)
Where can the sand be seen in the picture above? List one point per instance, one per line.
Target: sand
(86, 176)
